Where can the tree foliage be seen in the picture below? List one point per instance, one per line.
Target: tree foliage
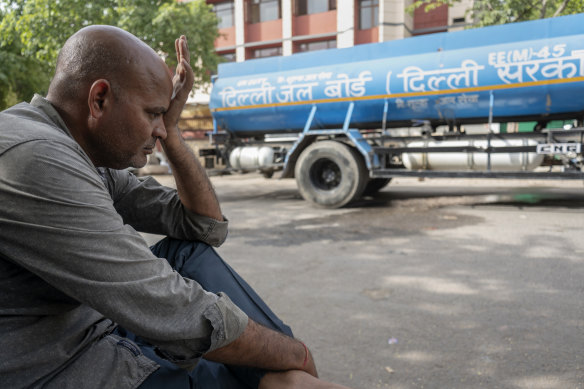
(492, 12)
(33, 31)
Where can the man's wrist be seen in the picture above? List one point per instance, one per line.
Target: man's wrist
(302, 357)
(305, 355)
(307, 361)
(173, 134)
(174, 144)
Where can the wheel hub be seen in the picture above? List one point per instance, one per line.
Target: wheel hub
(325, 174)
(329, 176)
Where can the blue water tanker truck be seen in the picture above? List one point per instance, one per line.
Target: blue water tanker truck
(496, 102)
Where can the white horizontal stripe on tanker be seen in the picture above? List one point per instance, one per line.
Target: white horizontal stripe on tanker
(409, 94)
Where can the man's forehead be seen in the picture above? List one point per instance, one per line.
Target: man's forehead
(153, 85)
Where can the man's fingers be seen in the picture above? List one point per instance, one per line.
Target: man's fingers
(183, 77)
(187, 76)
(185, 52)
(182, 81)
(182, 85)
(182, 49)
(183, 71)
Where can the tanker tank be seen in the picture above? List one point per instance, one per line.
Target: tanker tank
(521, 71)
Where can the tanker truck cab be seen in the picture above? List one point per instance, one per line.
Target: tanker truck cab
(495, 102)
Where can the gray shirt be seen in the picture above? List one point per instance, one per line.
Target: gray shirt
(72, 265)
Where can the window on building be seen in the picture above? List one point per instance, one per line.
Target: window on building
(266, 52)
(228, 57)
(263, 10)
(307, 7)
(317, 45)
(368, 14)
(458, 20)
(224, 12)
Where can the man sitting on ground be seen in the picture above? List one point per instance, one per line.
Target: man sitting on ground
(84, 303)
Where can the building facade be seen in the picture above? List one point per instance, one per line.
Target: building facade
(263, 28)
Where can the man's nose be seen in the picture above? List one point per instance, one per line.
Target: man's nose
(159, 129)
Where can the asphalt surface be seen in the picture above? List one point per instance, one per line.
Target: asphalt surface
(430, 284)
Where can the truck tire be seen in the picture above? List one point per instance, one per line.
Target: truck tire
(330, 174)
(374, 185)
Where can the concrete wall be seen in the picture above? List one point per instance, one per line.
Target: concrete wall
(394, 22)
(458, 10)
(345, 23)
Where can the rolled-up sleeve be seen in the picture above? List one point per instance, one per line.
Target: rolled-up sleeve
(227, 323)
(150, 207)
(66, 230)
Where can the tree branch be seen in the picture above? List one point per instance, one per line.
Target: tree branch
(561, 8)
(543, 10)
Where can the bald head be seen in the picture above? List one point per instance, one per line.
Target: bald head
(100, 52)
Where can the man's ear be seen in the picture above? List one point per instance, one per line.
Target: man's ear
(100, 96)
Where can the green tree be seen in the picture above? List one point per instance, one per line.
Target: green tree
(491, 12)
(195, 20)
(33, 31)
(19, 76)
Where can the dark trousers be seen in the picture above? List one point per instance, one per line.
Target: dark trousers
(201, 263)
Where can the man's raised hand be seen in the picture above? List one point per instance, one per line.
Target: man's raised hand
(182, 83)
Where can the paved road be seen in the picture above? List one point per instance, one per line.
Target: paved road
(438, 284)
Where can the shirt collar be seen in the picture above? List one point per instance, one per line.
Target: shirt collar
(45, 105)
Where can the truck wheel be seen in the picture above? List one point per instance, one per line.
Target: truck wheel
(374, 185)
(330, 174)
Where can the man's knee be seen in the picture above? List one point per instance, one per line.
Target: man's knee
(179, 253)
